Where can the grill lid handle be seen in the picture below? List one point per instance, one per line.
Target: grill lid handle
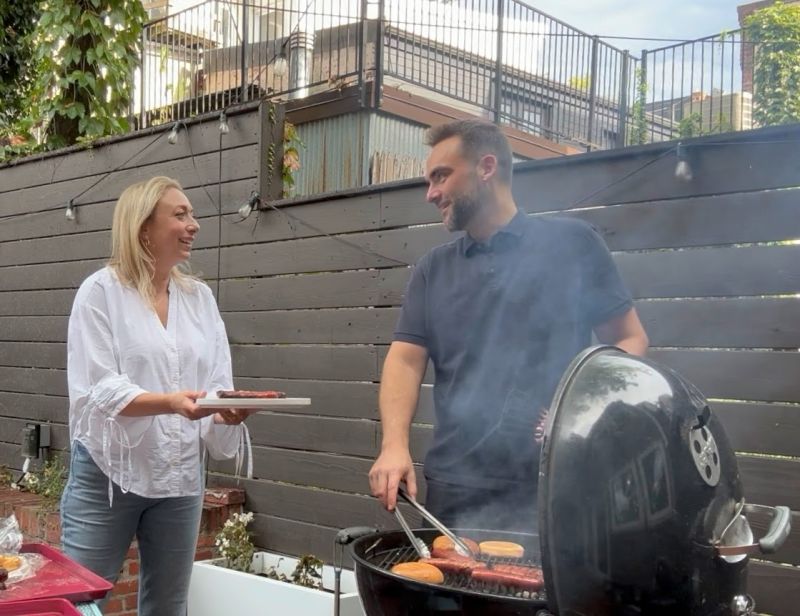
(779, 528)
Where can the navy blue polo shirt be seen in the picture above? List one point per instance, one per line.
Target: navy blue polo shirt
(501, 321)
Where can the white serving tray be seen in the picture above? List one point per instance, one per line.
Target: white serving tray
(253, 403)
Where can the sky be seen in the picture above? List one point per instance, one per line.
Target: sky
(679, 19)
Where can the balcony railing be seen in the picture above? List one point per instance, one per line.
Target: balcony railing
(498, 58)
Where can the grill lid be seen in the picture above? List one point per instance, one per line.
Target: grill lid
(637, 481)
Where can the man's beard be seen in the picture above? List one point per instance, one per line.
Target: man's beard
(464, 208)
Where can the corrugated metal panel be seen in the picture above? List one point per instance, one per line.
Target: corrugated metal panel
(333, 157)
(391, 134)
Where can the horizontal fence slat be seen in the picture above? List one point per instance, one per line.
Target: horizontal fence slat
(34, 354)
(712, 272)
(98, 216)
(325, 290)
(771, 481)
(306, 362)
(57, 302)
(240, 163)
(767, 376)
(344, 326)
(34, 407)
(328, 398)
(33, 381)
(354, 437)
(731, 322)
(33, 328)
(11, 432)
(763, 428)
(698, 221)
(775, 588)
(96, 160)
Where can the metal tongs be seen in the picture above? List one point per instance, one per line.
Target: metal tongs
(417, 543)
(460, 546)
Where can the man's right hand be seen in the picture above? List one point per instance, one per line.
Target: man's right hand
(392, 466)
(185, 403)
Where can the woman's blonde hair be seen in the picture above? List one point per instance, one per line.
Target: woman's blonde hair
(130, 259)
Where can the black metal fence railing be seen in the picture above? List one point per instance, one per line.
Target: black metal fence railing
(699, 87)
(500, 58)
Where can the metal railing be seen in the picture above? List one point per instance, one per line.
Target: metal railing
(700, 87)
(498, 58)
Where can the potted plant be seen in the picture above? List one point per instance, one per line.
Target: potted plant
(245, 582)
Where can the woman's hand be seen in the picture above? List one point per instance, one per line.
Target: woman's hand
(185, 403)
(231, 417)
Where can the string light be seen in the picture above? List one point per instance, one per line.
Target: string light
(683, 171)
(173, 134)
(223, 123)
(280, 65)
(70, 213)
(252, 203)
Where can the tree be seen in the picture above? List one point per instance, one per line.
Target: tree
(88, 51)
(775, 32)
(17, 22)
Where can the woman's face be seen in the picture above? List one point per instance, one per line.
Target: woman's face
(170, 231)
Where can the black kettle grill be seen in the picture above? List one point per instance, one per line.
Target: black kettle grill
(641, 510)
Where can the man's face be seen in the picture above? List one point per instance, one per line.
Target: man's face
(453, 185)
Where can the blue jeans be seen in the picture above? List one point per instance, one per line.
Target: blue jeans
(98, 536)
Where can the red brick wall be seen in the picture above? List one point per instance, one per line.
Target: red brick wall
(39, 525)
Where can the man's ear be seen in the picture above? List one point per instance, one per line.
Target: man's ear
(487, 167)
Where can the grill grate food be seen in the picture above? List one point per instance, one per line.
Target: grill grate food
(386, 559)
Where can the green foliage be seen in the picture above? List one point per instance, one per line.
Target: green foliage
(308, 572)
(291, 157)
(580, 82)
(49, 482)
(638, 134)
(776, 76)
(692, 126)
(88, 50)
(17, 67)
(234, 542)
(5, 476)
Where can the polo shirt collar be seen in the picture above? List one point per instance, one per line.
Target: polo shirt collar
(502, 239)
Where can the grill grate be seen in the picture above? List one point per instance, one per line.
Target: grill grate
(386, 559)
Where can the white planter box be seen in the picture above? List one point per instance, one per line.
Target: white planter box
(215, 590)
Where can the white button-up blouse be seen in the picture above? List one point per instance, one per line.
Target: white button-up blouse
(118, 349)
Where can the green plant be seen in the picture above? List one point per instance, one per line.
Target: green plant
(88, 50)
(17, 66)
(308, 572)
(291, 156)
(5, 476)
(775, 32)
(638, 135)
(234, 542)
(48, 483)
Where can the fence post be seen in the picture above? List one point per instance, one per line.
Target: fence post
(622, 110)
(592, 93)
(142, 69)
(498, 68)
(360, 52)
(243, 55)
(377, 84)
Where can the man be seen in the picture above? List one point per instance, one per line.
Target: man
(501, 312)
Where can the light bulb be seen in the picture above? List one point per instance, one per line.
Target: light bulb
(173, 135)
(223, 124)
(70, 213)
(683, 171)
(245, 209)
(280, 66)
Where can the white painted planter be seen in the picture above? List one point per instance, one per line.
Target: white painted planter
(215, 590)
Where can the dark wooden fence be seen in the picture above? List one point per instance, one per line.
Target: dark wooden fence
(310, 293)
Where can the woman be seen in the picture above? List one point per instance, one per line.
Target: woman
(145, 342)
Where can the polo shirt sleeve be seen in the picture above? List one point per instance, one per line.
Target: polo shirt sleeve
(605, 295)
(411, 324)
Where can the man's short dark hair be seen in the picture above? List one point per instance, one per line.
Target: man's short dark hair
(478, 138)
